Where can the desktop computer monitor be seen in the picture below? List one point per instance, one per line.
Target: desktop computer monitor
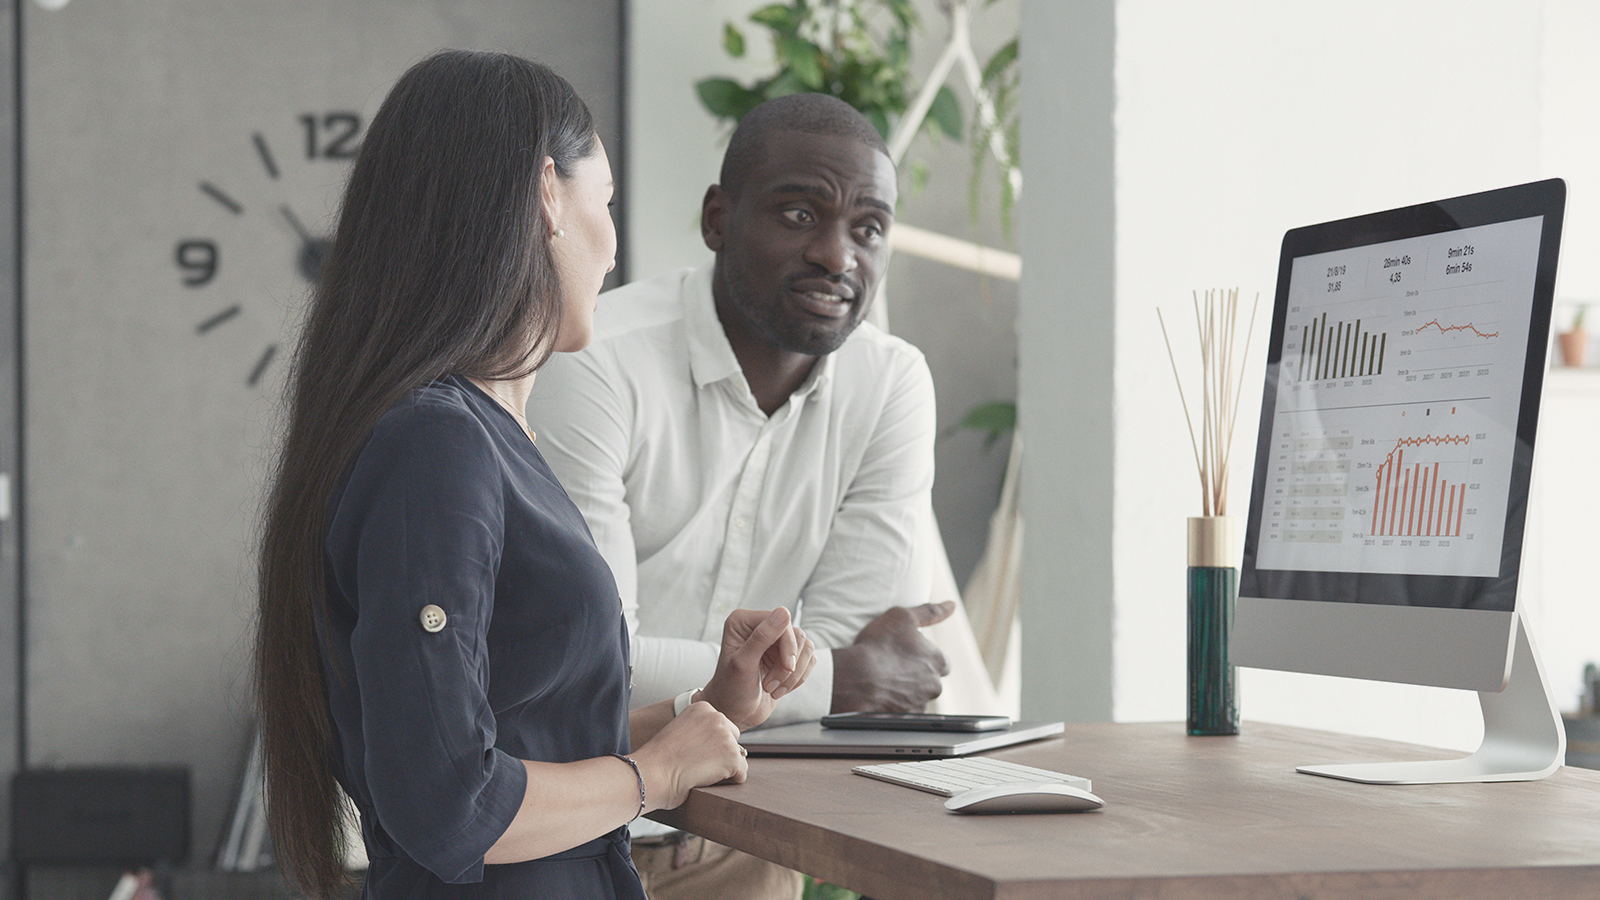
(1390, 491)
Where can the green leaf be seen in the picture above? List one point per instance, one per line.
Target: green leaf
(946, 113)
(782, 86)
(733, 40)
(779, 17)
(1003, 59)
(994, 419)
(919, 176)
(878, 120)
(804, 60)
(821, 890)
(998, 415)
(725, 98)
(897, 53)
(905, 14)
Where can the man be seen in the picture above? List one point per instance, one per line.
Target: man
(735, 437)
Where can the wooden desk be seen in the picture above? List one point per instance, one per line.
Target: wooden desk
(1195, 818)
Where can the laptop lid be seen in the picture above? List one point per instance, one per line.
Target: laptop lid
(811, 739)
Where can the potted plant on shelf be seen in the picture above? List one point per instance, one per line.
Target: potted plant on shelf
(1574, 342)
(860, 52)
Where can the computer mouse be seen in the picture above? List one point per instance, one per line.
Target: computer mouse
(1024, 797)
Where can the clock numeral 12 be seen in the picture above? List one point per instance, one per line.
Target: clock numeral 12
(332, 135)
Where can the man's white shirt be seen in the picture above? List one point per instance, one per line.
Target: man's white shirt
(701, 503)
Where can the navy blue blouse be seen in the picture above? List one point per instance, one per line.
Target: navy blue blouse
(451, 517)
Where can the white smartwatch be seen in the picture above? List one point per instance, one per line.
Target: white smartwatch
(682, 701)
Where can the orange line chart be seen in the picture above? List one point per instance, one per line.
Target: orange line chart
(1445, 329)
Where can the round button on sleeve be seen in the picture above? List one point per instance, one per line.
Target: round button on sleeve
(433, 619)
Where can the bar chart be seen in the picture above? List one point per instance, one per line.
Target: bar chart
(1415, 498)
(1339, 350)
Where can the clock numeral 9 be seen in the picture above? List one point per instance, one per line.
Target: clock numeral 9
(197, 259)
(332, 135)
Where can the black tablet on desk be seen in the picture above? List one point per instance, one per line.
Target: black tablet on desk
(811, 739)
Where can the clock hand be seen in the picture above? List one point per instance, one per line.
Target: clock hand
(294, 222)
(312, 249)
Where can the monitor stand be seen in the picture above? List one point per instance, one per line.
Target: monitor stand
(1523, 738)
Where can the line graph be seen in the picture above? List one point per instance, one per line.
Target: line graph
(1446, 329)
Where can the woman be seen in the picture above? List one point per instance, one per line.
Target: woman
(437, 633)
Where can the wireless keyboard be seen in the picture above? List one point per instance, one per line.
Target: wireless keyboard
(948, 777)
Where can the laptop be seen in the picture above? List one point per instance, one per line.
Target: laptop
(811, 739)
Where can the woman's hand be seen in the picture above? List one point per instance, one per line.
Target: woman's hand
(697, 748)
(763, 658)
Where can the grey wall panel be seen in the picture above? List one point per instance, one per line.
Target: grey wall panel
(146, 437)
(10, 598)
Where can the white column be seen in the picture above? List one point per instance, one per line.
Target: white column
(1065, 319)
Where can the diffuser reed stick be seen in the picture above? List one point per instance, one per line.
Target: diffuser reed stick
(1221, 384)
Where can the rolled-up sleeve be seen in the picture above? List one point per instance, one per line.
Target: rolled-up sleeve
(415, 544)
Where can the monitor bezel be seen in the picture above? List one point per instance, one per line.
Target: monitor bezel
(1443, 646)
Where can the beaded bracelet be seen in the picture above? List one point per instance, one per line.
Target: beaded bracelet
(636, 774)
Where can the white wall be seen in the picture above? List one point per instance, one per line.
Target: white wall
(1233, 123)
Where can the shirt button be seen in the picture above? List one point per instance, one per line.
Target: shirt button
(741, 522)
(433, 619)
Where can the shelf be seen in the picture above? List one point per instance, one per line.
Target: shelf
(1566, 380)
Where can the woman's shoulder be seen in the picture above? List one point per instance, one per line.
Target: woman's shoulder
(434, 447)
(441, 416)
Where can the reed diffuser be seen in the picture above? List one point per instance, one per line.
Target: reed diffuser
(1213, 535)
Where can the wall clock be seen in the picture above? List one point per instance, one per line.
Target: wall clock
(277, 218)
(182, 164)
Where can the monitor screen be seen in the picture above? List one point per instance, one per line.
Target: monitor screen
(1395, 450)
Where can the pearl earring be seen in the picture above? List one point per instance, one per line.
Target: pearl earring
(560, 233)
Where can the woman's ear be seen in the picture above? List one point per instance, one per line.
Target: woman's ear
(551, 194)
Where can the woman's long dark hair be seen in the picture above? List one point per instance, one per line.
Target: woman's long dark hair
(440, 264)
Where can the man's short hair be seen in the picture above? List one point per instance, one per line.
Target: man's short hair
(807, 113)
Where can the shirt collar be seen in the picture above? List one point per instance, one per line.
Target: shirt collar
(711, 357)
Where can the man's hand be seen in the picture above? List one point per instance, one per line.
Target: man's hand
(891, 667)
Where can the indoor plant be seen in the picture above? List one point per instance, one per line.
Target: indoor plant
(856, 50)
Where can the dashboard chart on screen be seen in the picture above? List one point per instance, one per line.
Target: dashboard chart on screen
(1398, 394)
